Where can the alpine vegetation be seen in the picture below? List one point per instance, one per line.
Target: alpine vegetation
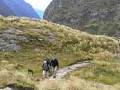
(25, 43)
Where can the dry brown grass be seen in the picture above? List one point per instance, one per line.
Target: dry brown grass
(9, 75)
(73, 84)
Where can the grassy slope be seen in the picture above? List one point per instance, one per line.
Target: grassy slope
(104, 69)
(69, 46)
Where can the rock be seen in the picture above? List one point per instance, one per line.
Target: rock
(7, 88)
(22, 38)
(50, 38)
(9, 39)
(13, 30)
(93, 16)
(16, 87)
(8, 36)
(2, 42)
(11, 36)
(10, 47)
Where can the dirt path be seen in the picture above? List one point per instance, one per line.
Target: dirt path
(64, 71)
(61, 72)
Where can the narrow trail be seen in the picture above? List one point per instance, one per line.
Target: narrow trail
(61, 73)
(64, 71)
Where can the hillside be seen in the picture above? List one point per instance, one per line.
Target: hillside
(17, 8)
(25, 43)
(93, 16)
(4, 8)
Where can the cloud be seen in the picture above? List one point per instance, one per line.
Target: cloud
(39, 4)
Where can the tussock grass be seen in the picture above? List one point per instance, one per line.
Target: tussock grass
(45, 39)
(9, 74)
(104, 69)
(73, 83)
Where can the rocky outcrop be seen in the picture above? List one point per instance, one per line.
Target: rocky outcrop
(17, 8)
(94, 16)
(9, 39)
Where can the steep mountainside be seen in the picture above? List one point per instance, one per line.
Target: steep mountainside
(5, 10)
(94, 16)
(18, 8)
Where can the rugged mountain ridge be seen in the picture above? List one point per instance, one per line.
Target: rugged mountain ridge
(94, 16)
(17, 8)
(4, 9)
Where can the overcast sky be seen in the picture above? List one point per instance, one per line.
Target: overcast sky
(39, 4)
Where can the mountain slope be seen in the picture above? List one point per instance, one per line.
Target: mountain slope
(5, 10)
(21, 8)
(94, 16)
(25, 43)
(17, 8)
